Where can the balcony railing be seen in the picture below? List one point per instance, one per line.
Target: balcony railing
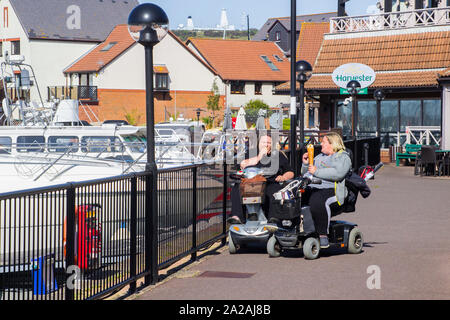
(84, 93)
(391, 20)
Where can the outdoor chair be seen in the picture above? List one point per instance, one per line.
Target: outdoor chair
(444, 166)
(428, 159)
(417, 162)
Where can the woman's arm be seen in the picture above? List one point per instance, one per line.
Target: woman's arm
(341, 166)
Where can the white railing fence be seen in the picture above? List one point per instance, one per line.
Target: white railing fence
(391, 20)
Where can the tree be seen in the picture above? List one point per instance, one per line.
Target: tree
(213, 103)
(252, 108)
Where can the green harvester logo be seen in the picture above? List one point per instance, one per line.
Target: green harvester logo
(345, 73)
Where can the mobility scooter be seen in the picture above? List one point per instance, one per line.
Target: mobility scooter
(295, 226)
(254, 230)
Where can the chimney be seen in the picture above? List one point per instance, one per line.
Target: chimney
(341, 8)
(387, 5)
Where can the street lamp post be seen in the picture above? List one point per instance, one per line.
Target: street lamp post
(303, 69)
(353, 88)
(197, 111)
(147, 24)
(379, 95)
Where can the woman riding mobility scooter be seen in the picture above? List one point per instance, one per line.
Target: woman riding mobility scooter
(295, 227)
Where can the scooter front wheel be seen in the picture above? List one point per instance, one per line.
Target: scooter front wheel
(311, 248)
(273, 247)
(232, 247)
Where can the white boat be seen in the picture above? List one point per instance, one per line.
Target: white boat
(46, 143)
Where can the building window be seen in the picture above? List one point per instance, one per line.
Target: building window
(5, 17)
(277, 57)
(277, 36)
(367, 112)
(237, 87)
(258, 88)
(1, 49)
(162, 81)
(15, 47)
(410, 114)
(270, 63)
(108, 46)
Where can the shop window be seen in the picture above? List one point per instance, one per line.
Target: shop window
(389, 116)
(344, 118)
(432, 112)
(367, 116)
(410, 113)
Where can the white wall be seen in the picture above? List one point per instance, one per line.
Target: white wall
(238, 100)
(186, 73)
(50, 58)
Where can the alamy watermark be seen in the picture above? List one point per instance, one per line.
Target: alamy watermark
(374, 280)
(73, 22)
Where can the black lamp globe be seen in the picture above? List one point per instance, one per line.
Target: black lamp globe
(353, 87)
(379, 94)
(148, 24)
(303, 69)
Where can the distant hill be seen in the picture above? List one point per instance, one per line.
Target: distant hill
(214, 34)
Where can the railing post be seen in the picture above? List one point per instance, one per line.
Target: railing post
(224, 202)
(194, 213)
(70, 239)
(133, 232)
(151, 231)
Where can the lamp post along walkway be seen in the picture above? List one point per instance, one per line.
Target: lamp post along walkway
(148, 25)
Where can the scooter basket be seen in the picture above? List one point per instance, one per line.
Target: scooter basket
(253, 187)
(288, 209)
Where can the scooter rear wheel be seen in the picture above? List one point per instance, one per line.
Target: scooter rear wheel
(311, 248)
(273, 247)
(355, 241)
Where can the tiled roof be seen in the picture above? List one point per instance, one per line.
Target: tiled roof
(401, 60)
(445, 73)
(310, 40)
(52, 19)
(241, 59)
(383, 80)
(96, 59)
(408, 51)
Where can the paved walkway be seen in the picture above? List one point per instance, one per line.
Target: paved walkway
(406, 223)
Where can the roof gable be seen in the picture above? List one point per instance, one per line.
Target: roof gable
(310, 40)
(242, 59)
(49, 19)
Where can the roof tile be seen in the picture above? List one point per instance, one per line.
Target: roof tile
(241, 59)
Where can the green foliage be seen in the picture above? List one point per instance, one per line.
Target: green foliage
(133, 117)
(214, 34)
(213, 103)
(208, 122)
(252, 108)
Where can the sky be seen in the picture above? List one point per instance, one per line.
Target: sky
(206, 13)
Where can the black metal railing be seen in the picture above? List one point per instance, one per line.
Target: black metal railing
(87, 240)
